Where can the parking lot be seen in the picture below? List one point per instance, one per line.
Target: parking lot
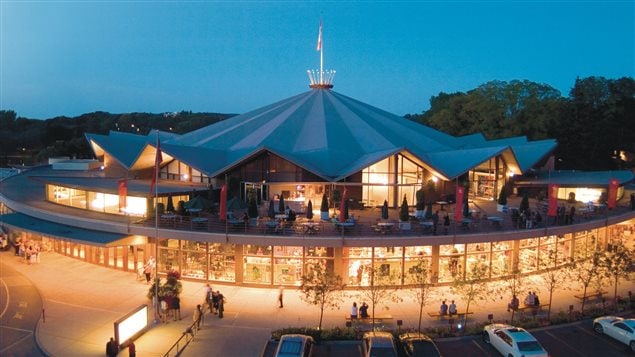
(576, 339)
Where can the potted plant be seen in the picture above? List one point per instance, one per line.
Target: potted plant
(324, 208)
(420, 206)
(502, 200)
(404, 215)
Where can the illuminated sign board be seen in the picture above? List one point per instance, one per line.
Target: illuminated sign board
(132, 325)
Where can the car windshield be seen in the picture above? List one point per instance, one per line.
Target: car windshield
(424, 348)
(290, 348)
(382, 352)
(529, 346)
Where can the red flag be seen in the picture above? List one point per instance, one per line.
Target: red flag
(158, 159)
(614, 184)
(122, 188)
(552, 210)
(343, 206)
(223, 203)
(458, 210)
(319, 43)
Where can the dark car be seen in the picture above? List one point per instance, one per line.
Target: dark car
(415, 344)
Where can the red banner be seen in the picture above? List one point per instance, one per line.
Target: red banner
(552, 210)
(343, 206)
(223, 203)
(122, 189)
(614, 184)
(458, 210)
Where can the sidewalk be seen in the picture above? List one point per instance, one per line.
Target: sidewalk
(81, 301)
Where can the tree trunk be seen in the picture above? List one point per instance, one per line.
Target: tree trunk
(583, 299)
(550, 300)
(615, 292)
(420, 314)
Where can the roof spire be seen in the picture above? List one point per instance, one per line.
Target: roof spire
(320, 78)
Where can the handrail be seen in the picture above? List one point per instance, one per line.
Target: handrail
(177, 347)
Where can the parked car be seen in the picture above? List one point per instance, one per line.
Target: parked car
(379, 344)
(619, 328)
(416, 344)
(513, 341)
(295, 345)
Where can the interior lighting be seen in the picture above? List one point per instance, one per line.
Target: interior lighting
(435, 179)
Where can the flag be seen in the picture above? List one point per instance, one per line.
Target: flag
(613, 186)
(158, 159)
(343, 207)
(552, 210)
(223, 203)
(319, 43)
(458, 210)
(122, 188)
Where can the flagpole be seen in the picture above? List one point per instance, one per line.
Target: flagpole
(156, 233)
(321, 56)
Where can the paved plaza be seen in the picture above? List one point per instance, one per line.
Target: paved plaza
(81, 301)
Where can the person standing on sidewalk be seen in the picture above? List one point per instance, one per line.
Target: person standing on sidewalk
(280, 296)
(221, 305)
(112, 348)
(198, 316)
(132, 350)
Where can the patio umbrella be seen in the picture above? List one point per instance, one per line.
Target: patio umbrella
(223, 203)
(271, 212)
(429, 211)
(343, 213)
(170, 205)
(235, 203)
(281, 204)
(309, 210)
(198, 202)
(384, 210)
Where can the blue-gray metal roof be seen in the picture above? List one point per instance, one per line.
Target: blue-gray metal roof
(332, 136)
(575, 178)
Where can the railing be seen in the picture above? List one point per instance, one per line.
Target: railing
(185, 339)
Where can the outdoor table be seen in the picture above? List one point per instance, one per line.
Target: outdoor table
(281, 216)
(199, 222)
(385, 227)
(169, 218)
(496, 221)
(310, 227)
(442, 204)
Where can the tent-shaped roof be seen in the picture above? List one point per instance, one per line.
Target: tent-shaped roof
(328, 134)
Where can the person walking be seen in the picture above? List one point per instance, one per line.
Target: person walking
(132, 350)
(198, 316)
(221, 305)
(280, 296)
(112, 348)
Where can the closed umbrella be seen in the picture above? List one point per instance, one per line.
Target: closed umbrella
(281, 204)
(170, 205)
(271, 213)
(384, 210)
(309, 210)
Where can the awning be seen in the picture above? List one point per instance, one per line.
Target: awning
(61, 231)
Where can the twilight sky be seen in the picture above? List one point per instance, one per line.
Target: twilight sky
(74, 57)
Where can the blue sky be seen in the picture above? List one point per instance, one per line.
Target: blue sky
(74, 57)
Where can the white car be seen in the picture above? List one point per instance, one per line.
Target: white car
(619, 328)
(513, 341)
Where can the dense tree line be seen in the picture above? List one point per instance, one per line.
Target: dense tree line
(29, 141)
(592, 126)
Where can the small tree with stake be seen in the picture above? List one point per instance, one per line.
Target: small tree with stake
(379, 291)
(322, 288)
(420, 275)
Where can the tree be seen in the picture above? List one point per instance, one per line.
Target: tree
(419, 275)
(472, 286)
(322, 288)
(588, 272)
(513, 285)
(379, 291)
(617, 263)
(553, 275)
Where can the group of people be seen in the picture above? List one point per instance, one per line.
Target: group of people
(361, 312)
(28, 249)
(170, 307)
(531, 300)
(215, 301)
(444, 309)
